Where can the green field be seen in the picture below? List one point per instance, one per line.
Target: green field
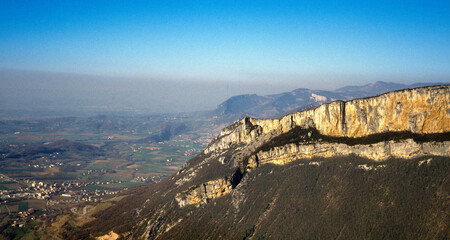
(100, 147)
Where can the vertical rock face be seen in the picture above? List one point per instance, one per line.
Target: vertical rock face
(203, 193)
(378, 152)
(375, 128)
(421, 110)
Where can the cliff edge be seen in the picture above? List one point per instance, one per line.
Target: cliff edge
(362, 169)
(421, 110)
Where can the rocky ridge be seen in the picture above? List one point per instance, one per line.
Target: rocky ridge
(420, 111)
(380, 151)
(335, 143)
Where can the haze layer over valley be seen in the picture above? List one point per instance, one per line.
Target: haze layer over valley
(34, 94)
(274, 119)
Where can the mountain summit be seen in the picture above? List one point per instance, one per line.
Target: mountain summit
(367, 168)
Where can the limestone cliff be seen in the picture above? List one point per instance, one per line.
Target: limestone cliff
(203, 193)
(327, 130)
(407, 149)
(421, 110)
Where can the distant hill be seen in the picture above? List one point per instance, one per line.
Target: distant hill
(276, 105)
(379, 87)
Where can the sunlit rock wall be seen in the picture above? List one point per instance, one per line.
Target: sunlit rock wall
(421, 110)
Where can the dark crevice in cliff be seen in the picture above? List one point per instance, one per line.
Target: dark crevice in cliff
(343, 125)
(237, 177)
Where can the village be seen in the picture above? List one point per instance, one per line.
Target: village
(15, 202)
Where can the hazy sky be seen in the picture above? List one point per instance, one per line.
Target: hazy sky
(314, 44)
(91, 94)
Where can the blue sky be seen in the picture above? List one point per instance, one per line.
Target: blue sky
(320, 43)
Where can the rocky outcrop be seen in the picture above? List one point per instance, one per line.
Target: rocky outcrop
(421, 110)
(203, 193)
(380, 151)
(110, 236)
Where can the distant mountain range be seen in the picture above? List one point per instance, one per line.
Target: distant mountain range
(277, 105)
